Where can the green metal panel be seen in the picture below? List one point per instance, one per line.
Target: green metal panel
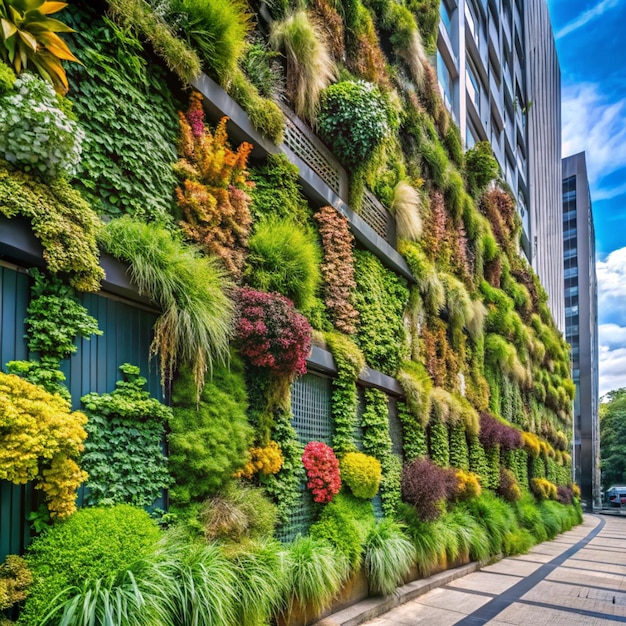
(310, 404)
(14, 294)
(127, 333)
(14, 499)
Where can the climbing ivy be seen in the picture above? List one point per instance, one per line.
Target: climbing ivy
(124, 449)
(459, 452)
(380, 297)
(493, 466)
(438, 444)
(478, 459)
(414, 434)
(377, 442)
(344, 400)
(284, 486)
(128, 112)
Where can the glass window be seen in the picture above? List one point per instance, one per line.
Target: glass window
(571, 310)
(569, 215)
(570, 253)
(444, 13)
(470, 138)
(571, 291)
(471, 22)
(572, 331)
(569, 233)
(445, 81)
(472, 87)
(570, 271)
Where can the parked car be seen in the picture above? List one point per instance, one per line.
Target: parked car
(616, 496)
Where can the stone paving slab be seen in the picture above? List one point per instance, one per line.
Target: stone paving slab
(513, 567)
(485, 581)
(578, 579)
(524, 614)
(577, 597)
(595, 579)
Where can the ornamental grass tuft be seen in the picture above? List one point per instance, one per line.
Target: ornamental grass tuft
(310, 66)
(316, 572)
(197, 316)
(389, 556)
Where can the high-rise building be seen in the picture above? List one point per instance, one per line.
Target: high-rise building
(499, 76)
(544, 155)
(581, 323)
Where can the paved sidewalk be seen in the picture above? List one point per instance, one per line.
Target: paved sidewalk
(577, 579)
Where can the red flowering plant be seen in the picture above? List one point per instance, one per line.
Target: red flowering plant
(271, 333)
(322, 469)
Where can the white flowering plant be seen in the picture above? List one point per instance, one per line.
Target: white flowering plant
(37, 132)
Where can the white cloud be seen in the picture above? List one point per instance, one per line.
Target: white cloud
(586, 17)
(612, 369)
(609, 193)
(611, 274)
(594, 124)
(612, 336)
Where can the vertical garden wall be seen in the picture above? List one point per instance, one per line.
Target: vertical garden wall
(288, 301)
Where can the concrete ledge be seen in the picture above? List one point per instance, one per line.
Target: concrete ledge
(321, 360)
(374, 607)
(19, 245)
(218, 103)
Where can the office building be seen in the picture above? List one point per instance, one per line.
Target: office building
(499, 76)
(581, 323)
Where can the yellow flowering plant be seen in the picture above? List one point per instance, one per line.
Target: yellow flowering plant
(531, 443)
(40, 439)
(543, 489)
(362, 473)
(264, 460)
(468, 485)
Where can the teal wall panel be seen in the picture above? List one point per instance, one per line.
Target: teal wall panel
(14, 292)
(126, 338)
(93, 367)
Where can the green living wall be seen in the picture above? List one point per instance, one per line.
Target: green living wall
(437, 433)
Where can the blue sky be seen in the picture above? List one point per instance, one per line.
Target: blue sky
(590, 41)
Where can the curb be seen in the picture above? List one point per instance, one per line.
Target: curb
(371, 608)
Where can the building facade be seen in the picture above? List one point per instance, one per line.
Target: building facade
(499, 76)
(581, 323)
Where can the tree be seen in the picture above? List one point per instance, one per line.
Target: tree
(613, 438)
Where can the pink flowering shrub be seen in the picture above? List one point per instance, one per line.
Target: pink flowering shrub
(322, 469)
(271, 333)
